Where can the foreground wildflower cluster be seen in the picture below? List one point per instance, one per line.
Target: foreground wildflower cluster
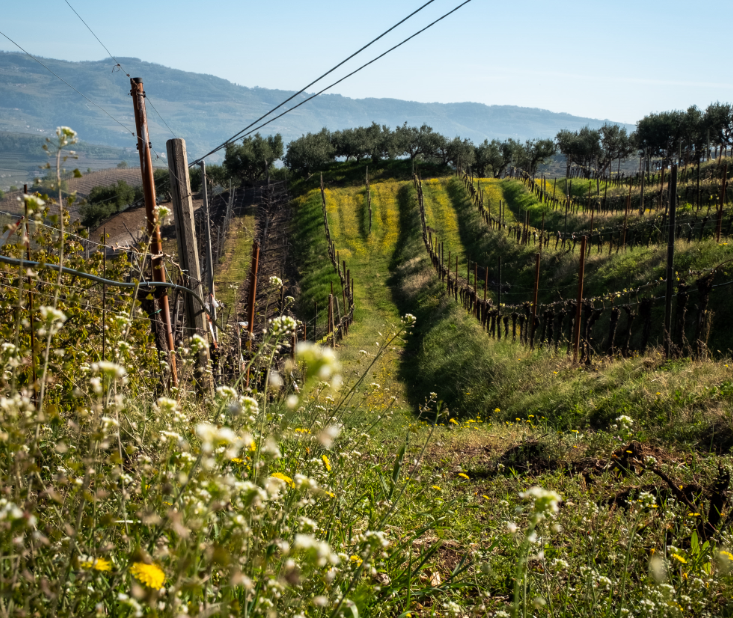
(125, 500)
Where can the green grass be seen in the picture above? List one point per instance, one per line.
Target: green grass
(231, 272)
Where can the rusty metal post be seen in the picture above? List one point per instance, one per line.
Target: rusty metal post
(253, 271)
(156, 247)
(252, 299)
(579, 302)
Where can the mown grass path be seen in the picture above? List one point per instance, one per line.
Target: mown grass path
(369, 257)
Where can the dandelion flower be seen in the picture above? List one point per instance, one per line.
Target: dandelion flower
(465, 476)
(679, 558)
(454, 421)
(149, 574)
(98, 564)
(326, 463)
(282, 477)
(436, 488)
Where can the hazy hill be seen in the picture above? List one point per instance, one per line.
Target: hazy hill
(206, 110)
(22, 157)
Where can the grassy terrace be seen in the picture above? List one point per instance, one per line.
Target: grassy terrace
(512, 418)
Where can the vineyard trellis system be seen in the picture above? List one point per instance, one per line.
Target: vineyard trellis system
(552, 325)
(643, 232)
(336, 330)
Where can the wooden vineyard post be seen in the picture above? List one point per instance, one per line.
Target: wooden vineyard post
(188, 253)
(30, 301)
(209, 253)
(456, 286)
(626, 215)
(343, 294)
(369, 199)
(315, 322)
(486, 282)
(643, 179)
(251, 301)
(534, 301)
(475, 287)
(104, 294)
(542, 233)
(670, 263)
(723, 191)
(498, 300)
(156, 246)
(579, 300)
(331, 324)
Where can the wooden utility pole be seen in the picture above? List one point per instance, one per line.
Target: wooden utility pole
(209, 253)
(672, 223)
(579, 300)
(156, 246)
(188, 251)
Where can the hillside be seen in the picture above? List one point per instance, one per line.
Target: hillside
(442, 468)
(206, 109)
(22, 157)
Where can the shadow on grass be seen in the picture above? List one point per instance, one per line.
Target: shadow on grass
(446, 352)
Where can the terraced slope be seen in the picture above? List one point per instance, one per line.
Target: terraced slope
(369, 257)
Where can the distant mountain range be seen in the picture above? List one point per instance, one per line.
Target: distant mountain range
(206, 110)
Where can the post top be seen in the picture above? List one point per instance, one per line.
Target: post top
(137, 80)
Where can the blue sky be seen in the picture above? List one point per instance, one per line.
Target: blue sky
(617, 60)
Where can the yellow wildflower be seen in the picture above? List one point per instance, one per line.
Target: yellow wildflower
(454, 421)
(465, 476)
(98, 564)
(727, 554)
(437, 488)
(149, 574)
(680, 558)
(326, 463)
(282, 477)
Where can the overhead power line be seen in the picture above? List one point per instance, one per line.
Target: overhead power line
(67, 83)
(302, 90)
(118, 63)
(363, 66)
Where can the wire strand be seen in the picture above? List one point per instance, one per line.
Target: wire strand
(119, 64)
(355, 71)
(67, 83)
(239, 134)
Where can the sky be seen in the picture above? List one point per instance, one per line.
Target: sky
(609, 60)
